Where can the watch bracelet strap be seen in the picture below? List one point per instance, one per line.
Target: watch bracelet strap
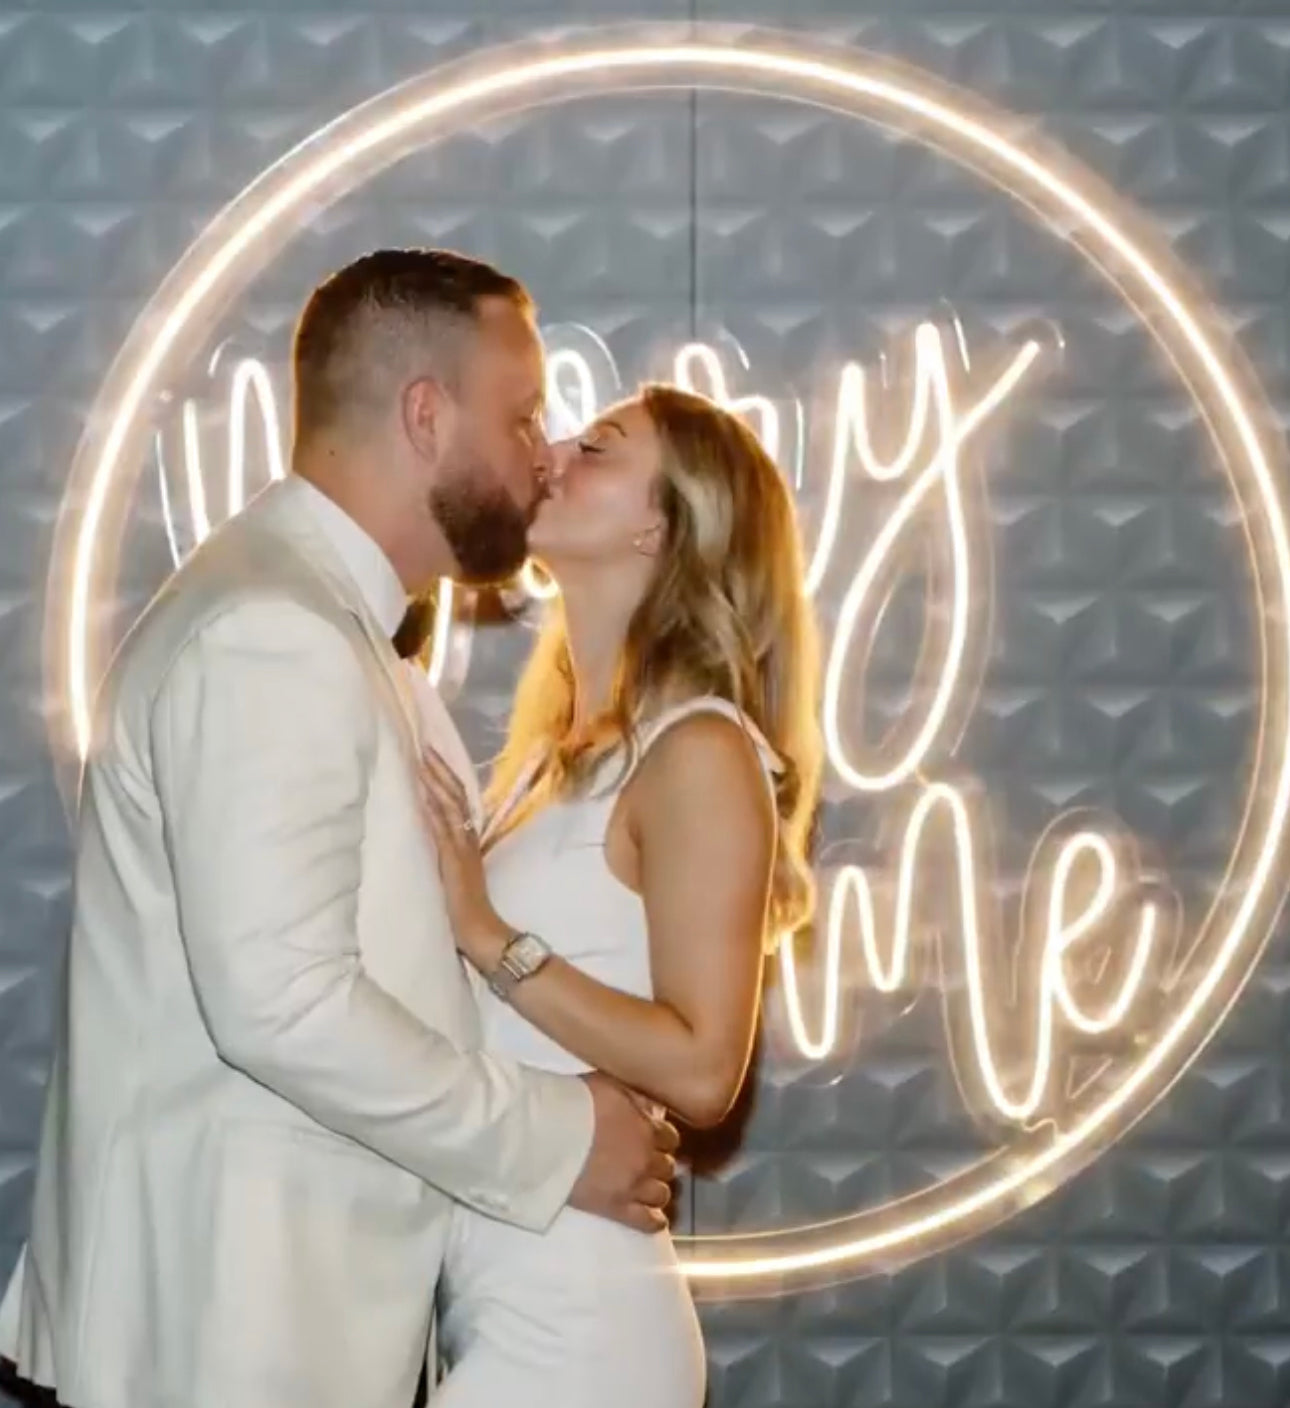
(505, 978)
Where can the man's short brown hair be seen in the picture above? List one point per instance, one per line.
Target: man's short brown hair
(386, 315)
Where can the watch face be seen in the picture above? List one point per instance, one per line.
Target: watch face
(528, 952)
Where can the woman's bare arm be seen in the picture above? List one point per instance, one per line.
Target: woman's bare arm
(703, 821)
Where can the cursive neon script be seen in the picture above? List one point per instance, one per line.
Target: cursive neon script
(1090, 929)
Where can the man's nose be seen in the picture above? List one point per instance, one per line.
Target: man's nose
(542, 467)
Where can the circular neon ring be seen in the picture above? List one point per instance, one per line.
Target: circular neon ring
(262, 220)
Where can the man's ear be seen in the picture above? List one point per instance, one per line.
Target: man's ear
(427, 412)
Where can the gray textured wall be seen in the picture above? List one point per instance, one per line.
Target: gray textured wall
(1118, 676)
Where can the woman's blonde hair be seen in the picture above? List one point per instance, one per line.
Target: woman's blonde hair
(725, 614)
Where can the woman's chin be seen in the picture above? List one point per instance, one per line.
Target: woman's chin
(546, 541)
(541, 544)
(558, 545)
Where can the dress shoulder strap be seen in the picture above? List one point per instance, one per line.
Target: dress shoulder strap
(654, 729)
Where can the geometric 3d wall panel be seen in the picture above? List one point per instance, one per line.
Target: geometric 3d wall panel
(1119, 674)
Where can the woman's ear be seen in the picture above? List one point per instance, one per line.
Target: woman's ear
(650, 540)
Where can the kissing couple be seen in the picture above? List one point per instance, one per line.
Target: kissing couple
(359, 1071)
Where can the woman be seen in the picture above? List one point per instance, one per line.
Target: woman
(649, 818)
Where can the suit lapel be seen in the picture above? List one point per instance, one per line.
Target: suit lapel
(439, 730)
(283, 509)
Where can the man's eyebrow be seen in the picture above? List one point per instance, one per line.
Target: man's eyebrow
(611, 425)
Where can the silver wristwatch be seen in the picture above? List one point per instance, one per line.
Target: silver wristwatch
(521, 958)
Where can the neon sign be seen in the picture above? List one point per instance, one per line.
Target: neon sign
(928, 462)
(1094, 926)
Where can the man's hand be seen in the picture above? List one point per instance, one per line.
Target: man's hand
(629, 1170)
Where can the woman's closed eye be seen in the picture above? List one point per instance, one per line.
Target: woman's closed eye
(590, 447)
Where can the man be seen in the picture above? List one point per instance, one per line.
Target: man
(268, 1087)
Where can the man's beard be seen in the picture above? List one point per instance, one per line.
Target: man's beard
(486, 530)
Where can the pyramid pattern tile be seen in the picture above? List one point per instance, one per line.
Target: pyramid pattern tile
(1119, 676)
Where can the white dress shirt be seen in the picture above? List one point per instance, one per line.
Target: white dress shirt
(385, 598)
(363, 557)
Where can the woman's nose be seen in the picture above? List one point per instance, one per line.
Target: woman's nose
(562, 453)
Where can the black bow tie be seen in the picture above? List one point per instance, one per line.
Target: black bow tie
(414, 630)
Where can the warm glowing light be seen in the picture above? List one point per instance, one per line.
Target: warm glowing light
(251, 376)
(985, 981)
(1231, 934)
(570, 371)
(250, 379)
(193, 473)
(697, 367)
(1064, 934)
(950, 430)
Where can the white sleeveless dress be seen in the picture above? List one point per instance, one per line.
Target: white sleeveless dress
(589, 1313)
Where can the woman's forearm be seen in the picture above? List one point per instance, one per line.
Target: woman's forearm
(643, 1043)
